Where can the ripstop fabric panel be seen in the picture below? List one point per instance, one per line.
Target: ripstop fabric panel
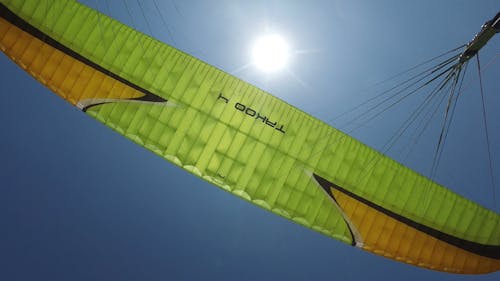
(246, 141)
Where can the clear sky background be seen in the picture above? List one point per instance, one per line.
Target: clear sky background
(80, 202)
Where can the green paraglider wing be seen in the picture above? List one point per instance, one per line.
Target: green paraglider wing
(244, 140)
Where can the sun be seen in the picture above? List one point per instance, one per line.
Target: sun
(270, 53)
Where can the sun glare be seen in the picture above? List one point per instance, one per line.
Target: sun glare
(270, 53)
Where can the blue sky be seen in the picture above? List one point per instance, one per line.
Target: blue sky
(80, 202)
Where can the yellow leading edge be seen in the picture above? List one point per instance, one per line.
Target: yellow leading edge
(246, 141)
